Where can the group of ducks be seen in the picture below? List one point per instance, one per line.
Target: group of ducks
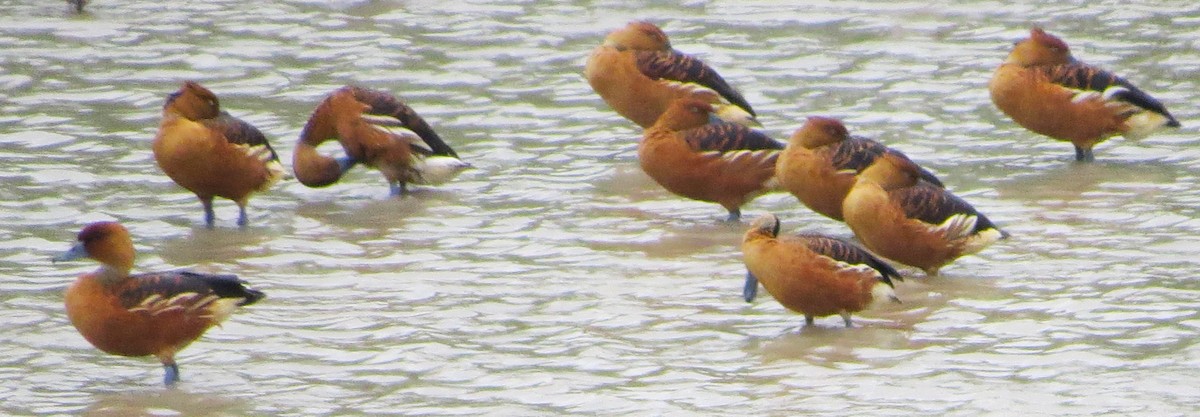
(698, 143)
(213, 154)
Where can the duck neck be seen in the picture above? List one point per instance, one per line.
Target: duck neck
(313, 169)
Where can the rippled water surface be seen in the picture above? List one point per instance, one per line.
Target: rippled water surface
(556, 278)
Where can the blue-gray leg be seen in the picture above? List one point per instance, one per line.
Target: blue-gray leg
(399, 189)
(171, 374)
(242, 216)
(734, 215)
(209, 218)
(750, 290)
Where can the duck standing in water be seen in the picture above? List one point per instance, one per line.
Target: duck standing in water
(376, 130)
(1042, 87)
(155, 313)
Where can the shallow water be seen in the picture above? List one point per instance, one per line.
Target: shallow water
(556, 278)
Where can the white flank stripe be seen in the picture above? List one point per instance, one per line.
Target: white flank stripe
(1082, 96)
(957, 227)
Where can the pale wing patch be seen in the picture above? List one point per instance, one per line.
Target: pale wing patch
(957, 227)
(1084, 95)
(692, 89)
(1140, 122)
(190, 303)
(401, 133)
(261, 153)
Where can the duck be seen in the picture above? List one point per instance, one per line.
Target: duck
(693, 156)
(898, 215)
(637, 72)
(377, 130)
(211, 153)
(1043, 88)
(153, 313)
(822, 161)
(813, 274)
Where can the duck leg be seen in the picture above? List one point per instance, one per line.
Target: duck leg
(209, 218)
(170, 373)
(734, 215)
(1084, 154)
(399, 189)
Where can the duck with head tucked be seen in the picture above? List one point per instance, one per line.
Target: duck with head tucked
(821, 163)
(155, 313)
(696, 157)
(211, 153)
(898, 215)
(376, 130)
(1046, 90)
(812, 274)
(639, 74)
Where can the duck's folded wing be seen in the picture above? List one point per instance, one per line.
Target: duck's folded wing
(845, 252)
(943, 211)
(1089, 80)
(159, 292)
(238, 132)
(675, 66)
(728, 137)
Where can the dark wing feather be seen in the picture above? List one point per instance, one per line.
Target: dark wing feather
(171, 283)
(858, 153)
(387, 104)
(676, 66)
(238, 132)
(1080, 76)
(726, 137)
(934, 205)
(850, 253)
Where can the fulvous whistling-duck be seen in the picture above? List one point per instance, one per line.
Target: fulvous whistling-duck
(724, 163)
(377, 130)
(812, 274)
(638, 74)
(156, 313)
(211, 153)
(1046, 90)
(898, 215)
(821, 162)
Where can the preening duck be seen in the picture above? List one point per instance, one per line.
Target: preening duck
(376, 130)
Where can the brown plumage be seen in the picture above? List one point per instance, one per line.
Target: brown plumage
(814, 275)
(723, 163)
(157, 313)
(822, 161)
(1046, 90)
(377, 130)
(899, 216)
(211, 153)
(638, 74)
